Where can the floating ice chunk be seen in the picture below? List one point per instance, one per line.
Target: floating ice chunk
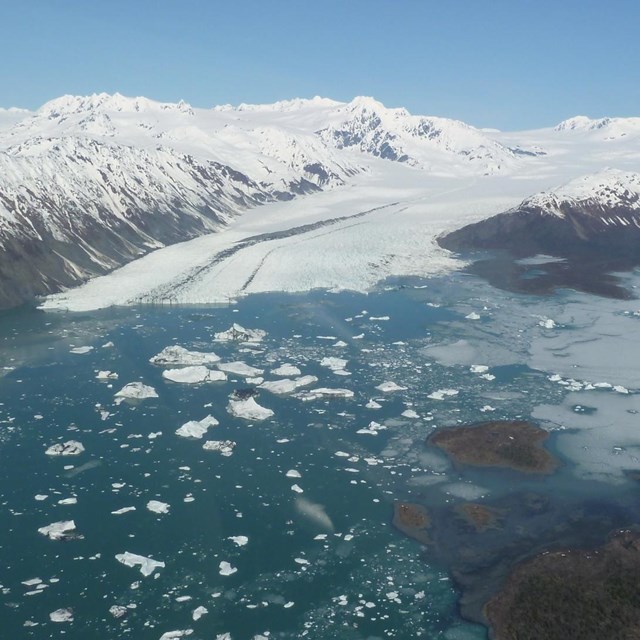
(379, 318)
(118, 611)
(488, 376)
(441, 394)
(158, 507)
(372, 429)
(478, 368)
(193, 375)
(196, 428)
(409, 413)
(301, 561)
(287, 385)
(297, 488)
(67, 501)
(106, 375)
(620, 389)
(119, 512)
(61, 615)
(547, 323)
(80, 350)
(340, 343)
(372, 404)
(388, 387)
(175, 356)
(175, 635)
(108, 345)
(198, 612)
(239, 368)
(136, 391)
(60, 530)
(248, 409)
(293, 473)
(147, 565)
(240, 334)
(241, 541)
(32, 582)
(69, 448)
(225, 569)
(472, 316)
(334, 364)
(323, 392)
(286, 370)
(225, 447)
(40, 496)
(487, 407)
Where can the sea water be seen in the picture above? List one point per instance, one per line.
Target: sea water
(291, 535)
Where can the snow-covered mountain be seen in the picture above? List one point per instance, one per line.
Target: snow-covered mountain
(88, 183)
(595, 216)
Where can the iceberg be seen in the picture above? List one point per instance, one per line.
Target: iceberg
(193, 375)
(136, 391)
(196, 428)
(69, 448)
(175, 356)
(147, 565)
(248, 409)
(240, 368)
(238, 333)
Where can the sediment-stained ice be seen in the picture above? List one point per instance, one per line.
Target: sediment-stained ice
(63, 530)
(69, 448)
(175, 356)
(193, 375)
(147, 565)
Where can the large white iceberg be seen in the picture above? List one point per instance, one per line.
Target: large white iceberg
(147, 565)
(175, 355)
(59, 530)
(136, 391)
(193, 375)
(69, 448)
(287, 385)
(248, 409)
(240, 368)
(240, 334)
(196, 428)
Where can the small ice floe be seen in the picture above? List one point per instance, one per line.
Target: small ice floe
(136, 391)
(323, 392)
(388, 387)
(106, 375)
(287, 385)
(61, 615)
(441, 394)
(379, 318)
(340, 344)
(486, 408)
(69, 448)
(64, 530)
(147, 565)
(240, 368)
(225, 447)
(175, 635)
(547, 323)
(119, 512)
(193, 375)
(32, 582)
(108, 345)
(238, 333)
(158, 507)
(372, 404)
(286, 370)
(118, 611)
(80, 350)
(196, 428)
(409, 413)
(297, 488)
(241, 541)
(174, 356)
(293, 473)
(372, 429)
(40, 497)
(472, 316)
(337, 365)
(248, 409)
(198, 612)
(68, 501)
(225, 569)
(478, 368)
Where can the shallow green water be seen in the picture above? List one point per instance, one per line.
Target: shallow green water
(361, 578)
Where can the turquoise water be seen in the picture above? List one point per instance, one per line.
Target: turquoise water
(346, 575)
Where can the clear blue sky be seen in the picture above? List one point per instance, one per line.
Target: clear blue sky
(511, 64)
